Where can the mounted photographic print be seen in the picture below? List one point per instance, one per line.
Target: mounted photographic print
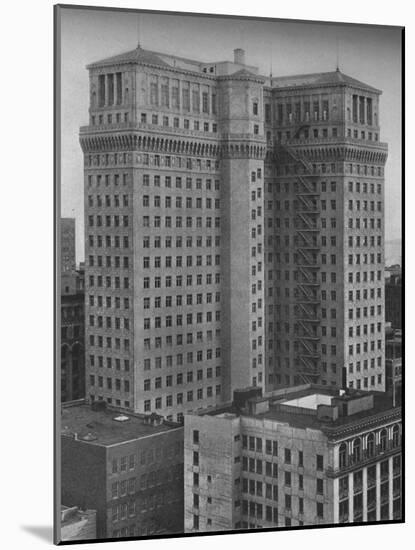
(229, 274)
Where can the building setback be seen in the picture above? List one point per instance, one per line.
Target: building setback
(233, 229)
(127, 468)
(307, 455)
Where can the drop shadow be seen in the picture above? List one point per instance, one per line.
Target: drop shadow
(44, 533)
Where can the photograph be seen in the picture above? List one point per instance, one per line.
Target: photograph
(229, 267)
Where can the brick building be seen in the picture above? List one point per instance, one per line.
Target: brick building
(233, 231)
(393, 300)
(307, 455)
(68, 260)
(127, 468)
(72, 321)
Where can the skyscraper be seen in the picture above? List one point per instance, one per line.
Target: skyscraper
(234, 231)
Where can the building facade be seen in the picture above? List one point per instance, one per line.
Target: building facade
(78, 524)
(234, 232)
(393, 300)
(127, 468)
(303, 456)
(68, 260)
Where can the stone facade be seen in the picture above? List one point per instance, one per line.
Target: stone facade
(288, 461)
(208, 264)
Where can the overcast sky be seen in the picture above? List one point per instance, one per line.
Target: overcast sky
(370, 54)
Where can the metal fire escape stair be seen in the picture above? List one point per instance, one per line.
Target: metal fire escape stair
(307, 252)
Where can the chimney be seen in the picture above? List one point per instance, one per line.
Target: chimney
(239, 56)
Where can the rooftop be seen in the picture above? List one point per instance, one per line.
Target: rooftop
(382, 403)
(332, 78)
(107, 426)
(298, 407)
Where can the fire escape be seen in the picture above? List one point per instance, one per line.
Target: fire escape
(307, 252)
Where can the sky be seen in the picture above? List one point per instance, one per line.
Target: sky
(369, 53)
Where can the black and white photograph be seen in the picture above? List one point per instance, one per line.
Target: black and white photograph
(229, 274)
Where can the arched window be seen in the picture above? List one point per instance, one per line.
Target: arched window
(357, 449)
(395, 435)
(383, 440)
(370, 445)
(343, 455)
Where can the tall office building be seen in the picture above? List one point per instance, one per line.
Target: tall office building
(234, 231)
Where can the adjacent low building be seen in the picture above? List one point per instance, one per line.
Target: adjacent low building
(393, 297)
(129, 468)
(306, 455)
(78, 524)
(393, 362)
(72, 341)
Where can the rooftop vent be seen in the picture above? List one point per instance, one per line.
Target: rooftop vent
(121, 418)
(89, 437)
(153, 419)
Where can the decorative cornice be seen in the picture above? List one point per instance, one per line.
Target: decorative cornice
(333, 152)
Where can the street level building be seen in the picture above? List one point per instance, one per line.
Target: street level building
(233, 229)
(127, 467)
(78, 524)
(307, 455)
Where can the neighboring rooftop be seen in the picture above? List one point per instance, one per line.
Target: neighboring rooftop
(108, 426)
(379, 402)
(312, 406)
(320, 79)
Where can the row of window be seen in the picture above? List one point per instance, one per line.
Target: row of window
(190, 395)
(179, 203)
(178, 361)
(180, 341)
(209, 186)
(368, 446)
(365, 241)
(157, 383)
(110, 261)
(110, 383)
(190, 91)
(365, 205)
(179, 241)
(324, 187)
(209, 258)
(110, 282)
(110, 343)
(165, 121)
(110, 322)
(110, 241)
(111, 118)
(180, 302)
(108, 201)
(168, 321)
(110, 362)
(110, 221)
(110, 301)
(360, 170)
(364, 312)
(179, 221)
(146, 481)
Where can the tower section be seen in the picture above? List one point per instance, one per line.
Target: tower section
(242, 174)
(326, 184)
